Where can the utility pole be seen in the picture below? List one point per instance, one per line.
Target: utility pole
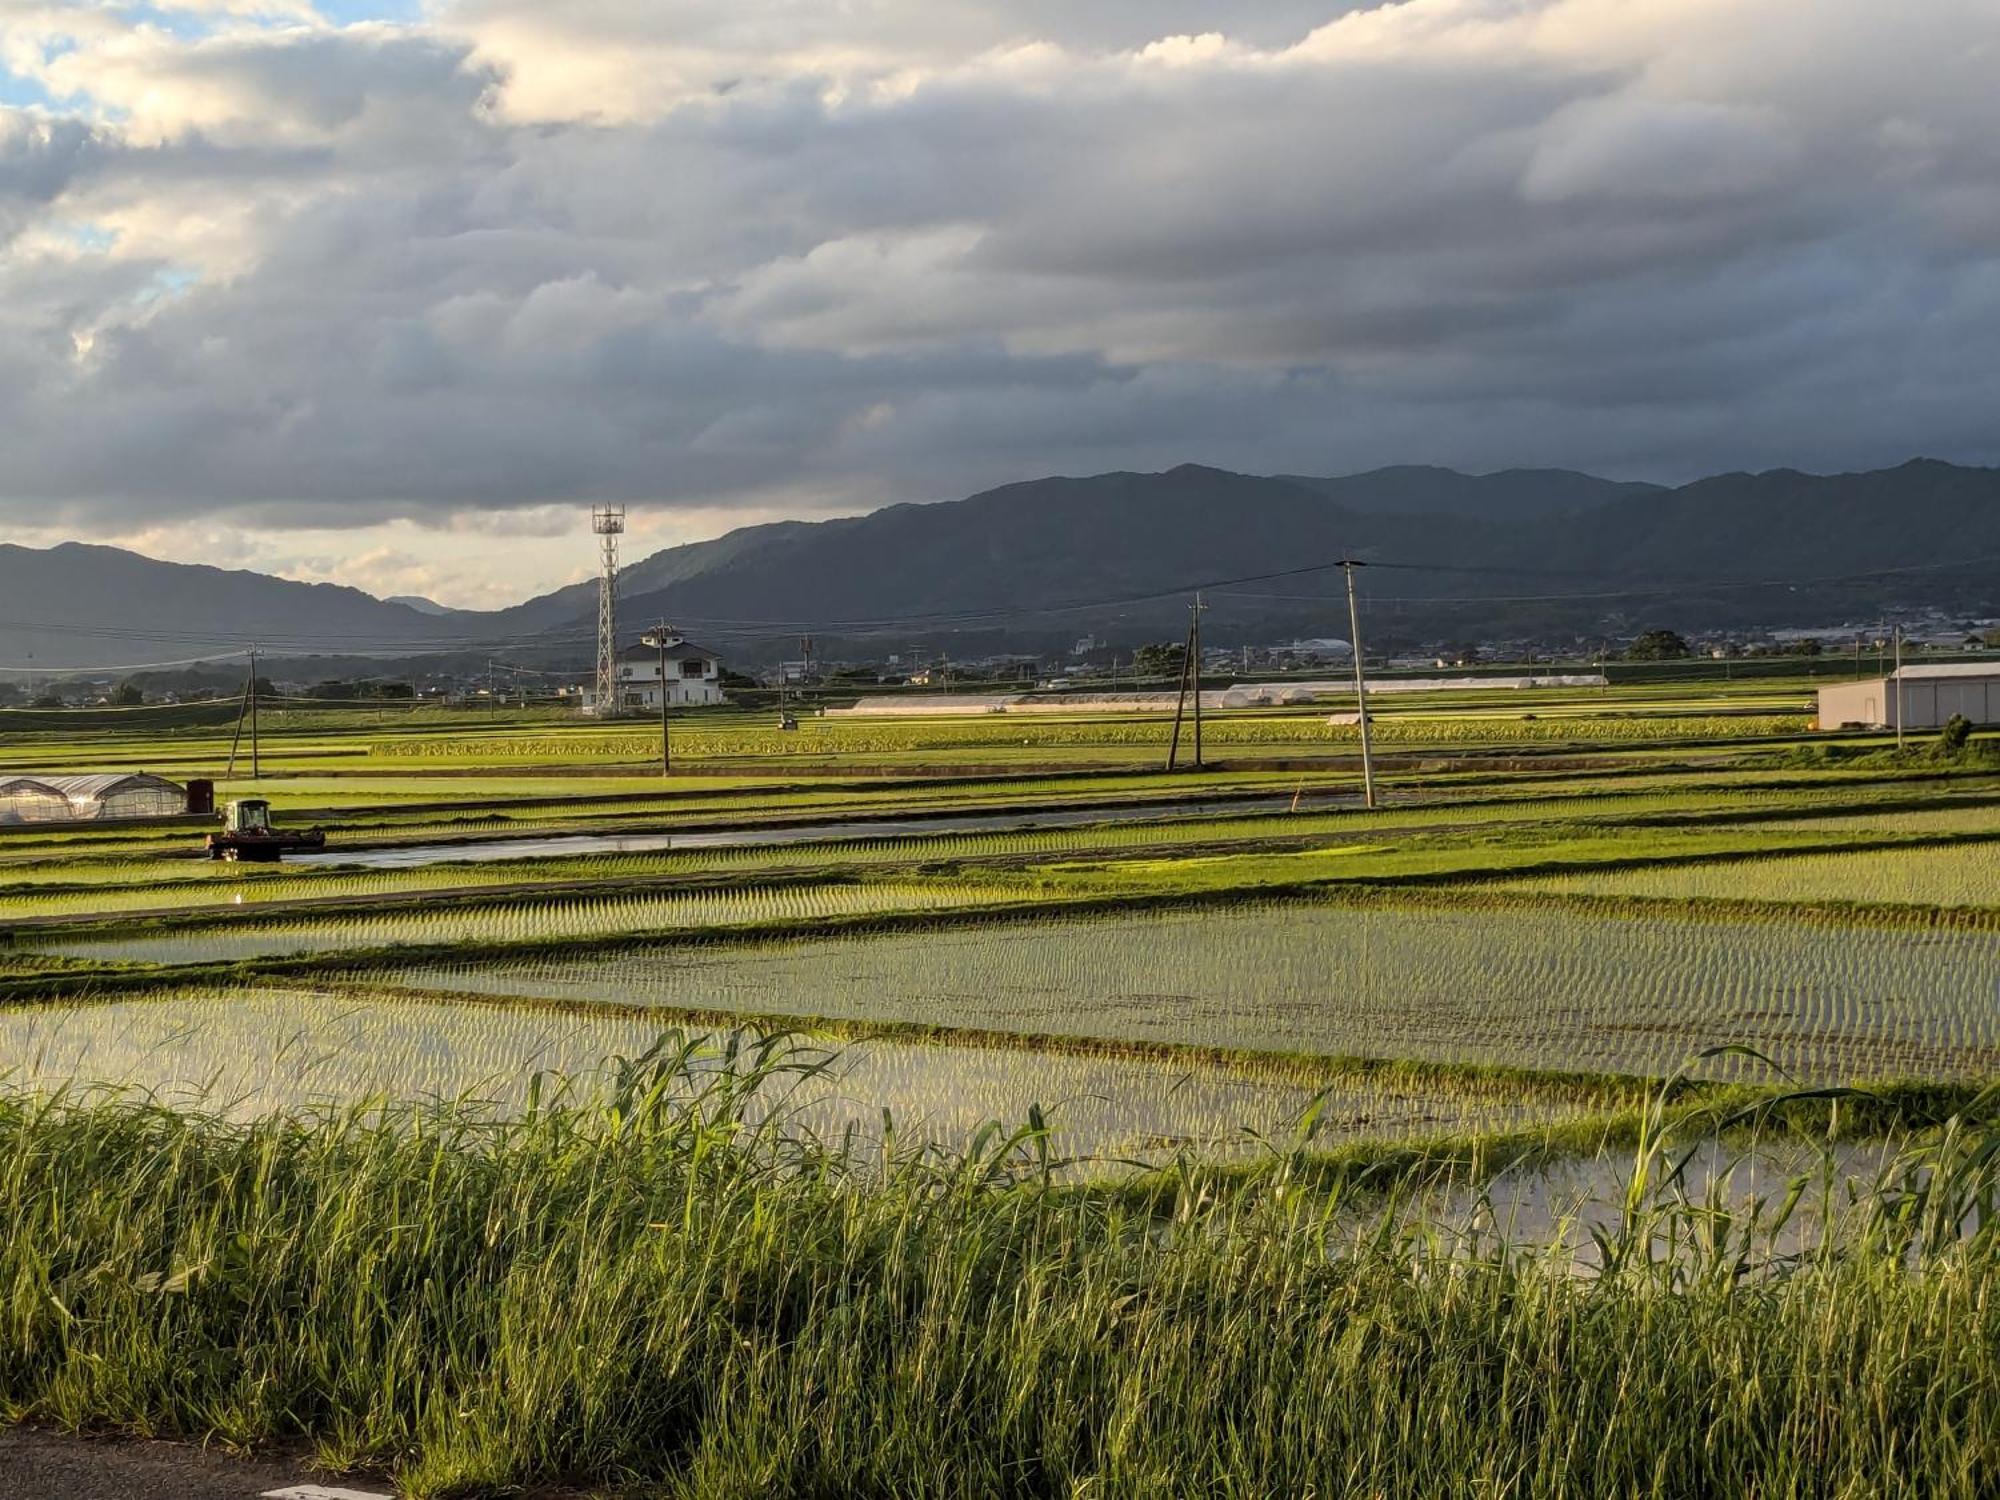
(1180, 692)
(1347, 566)
(256, 761)
(659, 638)
(242, 713)
(1194, 668)
(492, 697)
(1898, 680)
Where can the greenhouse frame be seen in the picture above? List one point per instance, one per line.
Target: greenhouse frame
(83, 799)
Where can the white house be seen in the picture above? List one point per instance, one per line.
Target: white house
(694, 676)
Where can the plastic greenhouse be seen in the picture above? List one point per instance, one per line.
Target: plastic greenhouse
(77, 799)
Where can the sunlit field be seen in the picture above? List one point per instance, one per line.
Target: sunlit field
(907, 1061)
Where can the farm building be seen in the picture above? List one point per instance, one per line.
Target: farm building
(694, 676)
(1927, 696)
(78, 799)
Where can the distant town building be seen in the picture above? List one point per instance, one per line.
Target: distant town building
(1923, 697)
(693, 677)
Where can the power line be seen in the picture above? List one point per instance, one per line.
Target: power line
(131, 666)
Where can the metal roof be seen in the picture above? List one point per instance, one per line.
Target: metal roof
(1948, 669)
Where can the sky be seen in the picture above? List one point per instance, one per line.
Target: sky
(389, 292)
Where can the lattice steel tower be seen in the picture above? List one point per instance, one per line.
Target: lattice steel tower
(608, 521)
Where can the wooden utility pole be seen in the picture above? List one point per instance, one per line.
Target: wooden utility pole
(1898, 680)
(256, 760)
(1180, 694)
(1194, 669)
(1347, 566)
(666, 747)
(242, 713)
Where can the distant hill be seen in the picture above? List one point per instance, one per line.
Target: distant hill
(1034, 565)
(420, 604)
(1510, 495)
(1525, 551)
(81, 605)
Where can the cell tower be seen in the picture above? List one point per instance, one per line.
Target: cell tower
(608, 521)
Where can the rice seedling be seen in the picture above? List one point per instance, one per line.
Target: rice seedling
(579, 917)
(1527, 984)
(1965, 874)
(822, 737)
(248, 1053)
(1946, 818)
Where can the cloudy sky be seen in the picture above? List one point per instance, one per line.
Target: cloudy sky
(384, 291)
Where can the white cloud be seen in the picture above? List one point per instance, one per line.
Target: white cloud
(736, 258)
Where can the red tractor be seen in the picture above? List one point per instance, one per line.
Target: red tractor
(247, 835)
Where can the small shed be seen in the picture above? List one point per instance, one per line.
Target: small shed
(83, 799)
(1922, 697)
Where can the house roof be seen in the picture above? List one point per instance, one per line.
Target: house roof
(681, 652)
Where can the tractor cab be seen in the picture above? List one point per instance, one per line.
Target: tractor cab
(247, 835)
(247, 815)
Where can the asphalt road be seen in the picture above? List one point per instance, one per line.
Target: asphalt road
(38, 1465)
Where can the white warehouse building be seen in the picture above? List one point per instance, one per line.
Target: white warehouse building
(693, 679)
(1922, 697)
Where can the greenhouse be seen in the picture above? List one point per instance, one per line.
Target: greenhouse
(74, 799)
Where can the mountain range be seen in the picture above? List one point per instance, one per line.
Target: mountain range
(1035, 565)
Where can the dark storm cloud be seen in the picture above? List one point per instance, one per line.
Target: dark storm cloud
(536, 254)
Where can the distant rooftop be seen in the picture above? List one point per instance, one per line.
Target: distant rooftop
(1910, 673)
(681, 651)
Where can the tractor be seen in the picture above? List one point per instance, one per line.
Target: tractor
(247, 835)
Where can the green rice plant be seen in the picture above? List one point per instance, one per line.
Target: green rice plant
(1530, 983)
(577, 918)
(1946, 875)
(1947, 818)
(254, 1052)
(60, 888)
(819, 737)
(249, 891)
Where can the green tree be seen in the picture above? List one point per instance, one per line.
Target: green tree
(1657, 645)
(1162, 659)
(1956, 731)
(128, 694)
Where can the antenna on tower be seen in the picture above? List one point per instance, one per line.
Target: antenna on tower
(608, 522)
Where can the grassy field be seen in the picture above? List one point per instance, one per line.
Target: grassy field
(1062, 1126)
(676, 1292)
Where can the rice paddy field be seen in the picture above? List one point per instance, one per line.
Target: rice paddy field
(568, 1125)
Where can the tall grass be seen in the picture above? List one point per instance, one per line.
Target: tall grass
(680, 1290)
